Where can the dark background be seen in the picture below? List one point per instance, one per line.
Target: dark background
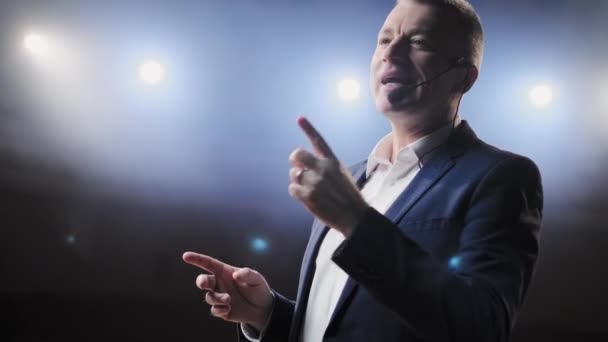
(105, 183)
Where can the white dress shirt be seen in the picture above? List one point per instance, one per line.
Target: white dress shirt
(385, 182)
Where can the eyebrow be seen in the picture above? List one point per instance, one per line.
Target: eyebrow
(387, 30)
(418, 30)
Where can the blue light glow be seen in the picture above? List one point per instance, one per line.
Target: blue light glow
(259, 245)
(454, 262)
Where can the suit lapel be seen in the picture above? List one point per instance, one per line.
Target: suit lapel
(319, 230)
(426, 177)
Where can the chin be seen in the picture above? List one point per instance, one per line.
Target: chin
(384, 106)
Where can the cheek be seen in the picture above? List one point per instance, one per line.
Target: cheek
(373, 72)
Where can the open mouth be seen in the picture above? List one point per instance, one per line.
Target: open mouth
(392, 79)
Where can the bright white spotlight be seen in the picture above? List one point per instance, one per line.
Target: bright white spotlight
(349, 89)
(151, 72)
(36, 44)
(541, 96)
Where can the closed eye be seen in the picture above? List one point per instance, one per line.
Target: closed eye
(419, 41)
(384, 41)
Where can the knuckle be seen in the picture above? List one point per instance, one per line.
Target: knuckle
(292, 190)
(220, 311)
(200, 281)
(227, 298)
(226, 314)
(295, 154)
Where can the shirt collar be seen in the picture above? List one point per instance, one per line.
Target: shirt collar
(410, 153)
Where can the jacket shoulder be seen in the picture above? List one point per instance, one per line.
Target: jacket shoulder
(489, 164)
(492, 156)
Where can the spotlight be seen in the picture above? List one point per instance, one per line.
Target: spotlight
(151, 72)
(36, 44)
(349, 89)
(541, 96)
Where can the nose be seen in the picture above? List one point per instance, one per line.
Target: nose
(396, 51)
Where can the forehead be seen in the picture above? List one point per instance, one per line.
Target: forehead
(410, 15)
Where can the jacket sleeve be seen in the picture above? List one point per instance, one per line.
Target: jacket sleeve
(279, 323)
(476, 301)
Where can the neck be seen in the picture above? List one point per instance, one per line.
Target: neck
(408, 128)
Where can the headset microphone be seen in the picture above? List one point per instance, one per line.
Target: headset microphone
(398, 95)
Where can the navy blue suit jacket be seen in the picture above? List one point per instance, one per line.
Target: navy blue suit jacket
(450, 260)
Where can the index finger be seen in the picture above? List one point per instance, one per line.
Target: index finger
(203, 261)
(315, 138)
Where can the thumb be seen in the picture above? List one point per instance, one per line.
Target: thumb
(247, 277)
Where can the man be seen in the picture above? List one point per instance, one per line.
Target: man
(433, 238)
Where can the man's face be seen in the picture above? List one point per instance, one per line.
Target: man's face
(413, 47)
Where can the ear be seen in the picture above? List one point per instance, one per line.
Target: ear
(471, 77)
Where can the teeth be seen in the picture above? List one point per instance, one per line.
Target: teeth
(392, 80)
